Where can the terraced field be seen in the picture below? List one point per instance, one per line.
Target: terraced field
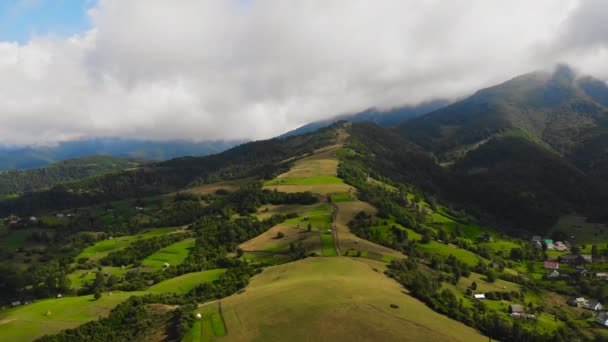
(173, 255)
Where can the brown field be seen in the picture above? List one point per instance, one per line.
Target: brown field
(268, 242)
(211, 188)
(267, 211)
(333, 299)
(346, 212)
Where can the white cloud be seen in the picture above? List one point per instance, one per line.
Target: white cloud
(233, 69)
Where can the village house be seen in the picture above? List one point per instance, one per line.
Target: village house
(516, 309)
(594, 305)
(579, 302)
(551, 265)
(536, 238)
(573, 259)
(602, 319)
(560, 246)
(553, 274)
(479, 296)
(59, 216)
(602, 275)
(16, 303)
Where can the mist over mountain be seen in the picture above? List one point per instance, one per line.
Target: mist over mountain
(386, 118)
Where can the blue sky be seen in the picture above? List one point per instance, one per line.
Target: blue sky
(22, 19)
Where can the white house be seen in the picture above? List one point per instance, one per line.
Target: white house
(594, 305)
(479, 296)
(553, 274)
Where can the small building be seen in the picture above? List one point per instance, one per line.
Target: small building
(516, 309)
(198, 316)
(602, 319)
(59, 295)
(33, 219)
(548, 242)
(551, 265)
(479, 296)
(579, 302)
(587, 257)
(602, 275)
(553, 274)
(166, 264)
(569, 259)
(536, 238)
(594, 305)
(16, 303)
(560, 246)
(59, 215)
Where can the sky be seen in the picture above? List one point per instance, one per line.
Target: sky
(249, 69)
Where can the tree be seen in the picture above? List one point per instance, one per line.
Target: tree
(491, 276)
(595, 253)
(309, 227)
(97, 294)
(474, 286)
(280, 235)
(99, 281)
(239, 252)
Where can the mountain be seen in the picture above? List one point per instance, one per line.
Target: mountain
(526, 151)
(557, 108)
(19, 181)
(36, 156)
(386, 118)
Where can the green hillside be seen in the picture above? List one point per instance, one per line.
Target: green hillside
(16, 182)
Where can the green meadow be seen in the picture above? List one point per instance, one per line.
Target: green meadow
(49, 316)
(174, 254)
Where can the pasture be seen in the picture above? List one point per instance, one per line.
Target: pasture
(104, 247)
(28, 322)
(333, 299)
(444, 250)
(174, 254)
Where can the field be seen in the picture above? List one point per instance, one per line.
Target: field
(463, 255)
(315, 173)
(327, 299)
(30, 321)
(293, 230)
(210, 326)
(174, 254)
(102, 248)
(349, 241)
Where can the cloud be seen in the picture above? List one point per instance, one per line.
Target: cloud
(254, 69)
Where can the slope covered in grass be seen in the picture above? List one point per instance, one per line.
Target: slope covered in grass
(330, 299)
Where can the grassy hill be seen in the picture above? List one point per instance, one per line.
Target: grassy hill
(333, 299)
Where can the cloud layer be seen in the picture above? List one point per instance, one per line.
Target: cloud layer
(200, 70)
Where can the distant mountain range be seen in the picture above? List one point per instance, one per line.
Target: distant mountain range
(385, 118)
(37, 156)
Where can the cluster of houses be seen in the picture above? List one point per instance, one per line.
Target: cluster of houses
(551, 245)
(581, 302)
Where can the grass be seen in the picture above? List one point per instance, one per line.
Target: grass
(79, 278)
(583, 232)
(102, 248)
(314, 180)
(186, 282)
(463, 255)
(28, 322)
(194, 334)
(174, 254)
(328, 244)
(333, 299)
(341, 197)
(210, 326)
